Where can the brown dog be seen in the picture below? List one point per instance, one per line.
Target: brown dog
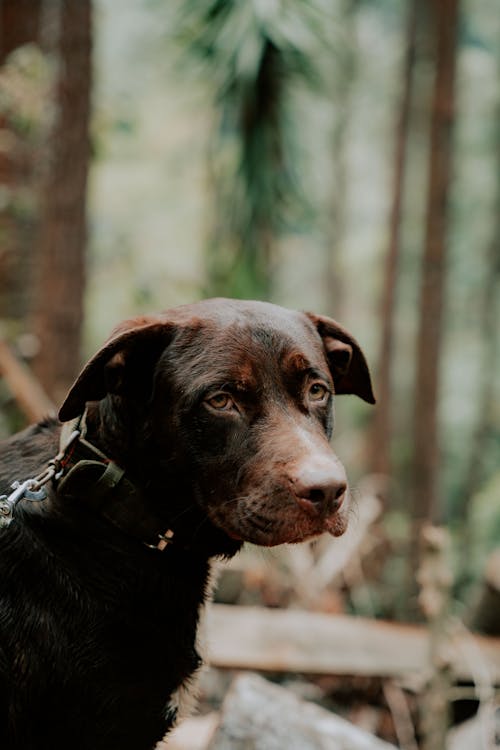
(190, 433)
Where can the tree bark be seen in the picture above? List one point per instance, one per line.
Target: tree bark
(60, 284)
(424, 498)
(427, 449)
(381, 434)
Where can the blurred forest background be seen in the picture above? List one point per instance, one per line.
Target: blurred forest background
(341, 156)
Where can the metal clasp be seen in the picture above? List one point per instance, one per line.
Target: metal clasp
(34, 489)
(20, 490)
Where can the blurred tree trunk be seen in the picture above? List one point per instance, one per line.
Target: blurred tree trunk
(19, 25)
(382, 432)
(488, 373)
(489, 314)
(425, 500)
(345, 72)
(58, 303)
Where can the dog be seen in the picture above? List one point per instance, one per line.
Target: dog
(187, 434)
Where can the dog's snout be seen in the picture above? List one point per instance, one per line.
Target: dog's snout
(320, 488)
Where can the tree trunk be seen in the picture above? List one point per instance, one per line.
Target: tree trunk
(488, 326)
(381, 435)
(60, 284)
(426, 456)
(19, 25)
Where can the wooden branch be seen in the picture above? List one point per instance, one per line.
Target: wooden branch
(313, 643)
(435, 580)
(26, 390)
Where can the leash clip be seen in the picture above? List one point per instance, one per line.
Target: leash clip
(34, 489)
(27, 489)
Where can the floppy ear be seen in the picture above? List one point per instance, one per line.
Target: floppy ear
(123, 366)
(347, 362)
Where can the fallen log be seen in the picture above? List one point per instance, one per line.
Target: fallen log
(312, 643)
(25, 388)
(259, 715)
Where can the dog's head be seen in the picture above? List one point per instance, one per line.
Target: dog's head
(233, 401)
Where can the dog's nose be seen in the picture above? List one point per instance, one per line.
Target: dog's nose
(320, 489)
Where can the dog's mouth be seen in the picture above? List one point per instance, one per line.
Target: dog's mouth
(272, 527)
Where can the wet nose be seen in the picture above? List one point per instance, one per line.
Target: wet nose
(320, 489)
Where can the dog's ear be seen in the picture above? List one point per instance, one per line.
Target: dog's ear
(124, 365)
(347, 362)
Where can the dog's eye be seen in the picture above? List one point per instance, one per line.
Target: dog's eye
(318, 392)
(220, 402)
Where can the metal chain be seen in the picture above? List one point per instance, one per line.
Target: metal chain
(34, 489)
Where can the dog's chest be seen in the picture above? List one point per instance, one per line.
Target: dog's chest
(183, 701)
(133, 652)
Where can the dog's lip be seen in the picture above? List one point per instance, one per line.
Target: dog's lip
(293, 531)
(336, 525)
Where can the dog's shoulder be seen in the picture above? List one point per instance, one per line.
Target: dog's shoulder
(25, 454)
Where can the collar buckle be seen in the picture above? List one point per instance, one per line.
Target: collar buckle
(165, 539)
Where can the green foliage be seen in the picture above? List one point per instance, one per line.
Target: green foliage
(252, 52)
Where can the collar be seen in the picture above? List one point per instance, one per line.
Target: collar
(86, 474)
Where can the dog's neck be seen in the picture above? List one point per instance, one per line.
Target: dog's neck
(124, 437)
